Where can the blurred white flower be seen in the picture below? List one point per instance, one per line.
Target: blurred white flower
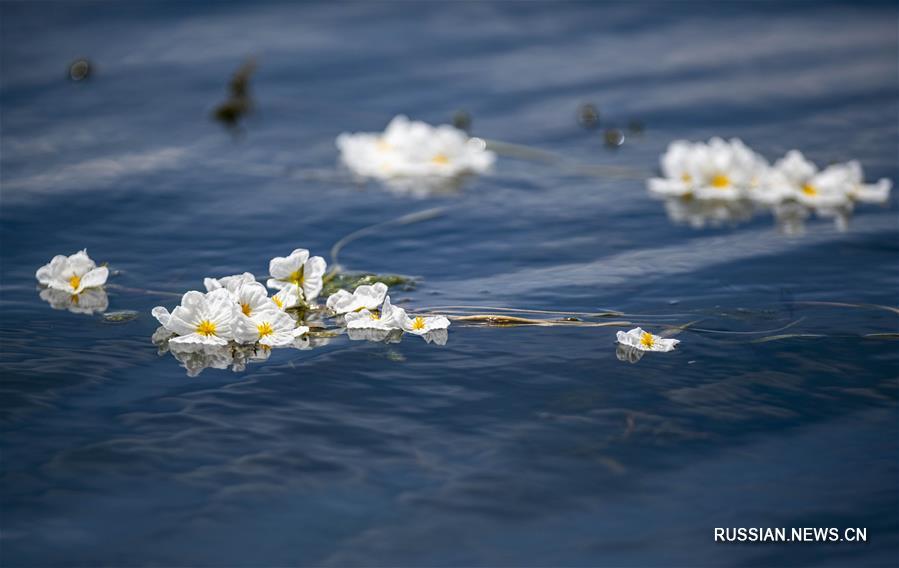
(201, 318)
(364, 297)
(269, 327)
(72, 274)
(414, 149)
(298, 270)
(645, 341)
(794, 177)
(719, 169)
(90, 301)
(677, 167)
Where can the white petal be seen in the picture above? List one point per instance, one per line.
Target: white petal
(287, 297)
(874, 193)
(161, 314)
(244, 330)
(50, 270)
(663, 345)
(211, 284)
(371, 296)
(313, 271)
(192, 299)
(197, 339)
(252, 296)
(340, 302)
(80, 263)
(282, 267)
(668, 187)
(182, 321)
(94, 278)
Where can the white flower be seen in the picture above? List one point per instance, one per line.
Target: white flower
(252, 298)
(230, 283)
(645, 341)
(288, 297)
(677, 167)
(90, 301)
(422, 325)
(387, 318)
(72, 274)
(794, 177)
(201, 318)
(414, 149)
(723, 170)
(365, 297)
(299, 270)
(271, 328)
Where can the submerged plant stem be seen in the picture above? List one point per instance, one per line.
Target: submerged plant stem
(497, 320)
(522, 152)
(404, 220)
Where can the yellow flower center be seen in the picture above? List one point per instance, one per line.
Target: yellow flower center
(246, 309)
(418, 323)
(383, 145)
(646, 340)
(374, 315)
(440, 159)
(686, 178)
(206, 328)
(720, 181)
(277, 302)
(809, 190)
(264, 329)
(296, 277)
(75, 281)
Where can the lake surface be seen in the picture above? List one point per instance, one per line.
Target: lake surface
(525, 446)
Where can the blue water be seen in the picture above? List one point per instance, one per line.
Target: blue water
(527, 446)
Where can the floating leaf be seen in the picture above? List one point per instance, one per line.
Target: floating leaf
(121, 316)
(341, 281)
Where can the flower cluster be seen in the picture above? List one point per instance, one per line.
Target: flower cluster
(386, 322)
(725, 180)
(235, 322)
(411, 155)
(74, 283)
(238, 308)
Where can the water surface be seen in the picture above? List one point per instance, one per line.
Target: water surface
(513, 446)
